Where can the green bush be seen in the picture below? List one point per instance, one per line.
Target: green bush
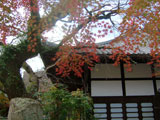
(60, 104)
(4, 105)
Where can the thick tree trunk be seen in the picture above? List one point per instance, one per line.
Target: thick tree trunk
(14, 86)
(11, 61)
(13, 57)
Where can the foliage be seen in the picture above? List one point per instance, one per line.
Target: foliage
(84, 16)
(84, 21)
(4, 105)
(140, 29)
(60, 104)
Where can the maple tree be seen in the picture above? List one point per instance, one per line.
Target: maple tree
(140, 29)
(88, 20)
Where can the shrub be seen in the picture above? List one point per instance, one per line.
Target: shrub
(60, 104)
(4, 105)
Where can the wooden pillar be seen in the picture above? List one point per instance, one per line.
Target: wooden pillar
(157, 107)
(86, 80)
(123, 89)
(123, 79)
(108, 111)
(154, 79)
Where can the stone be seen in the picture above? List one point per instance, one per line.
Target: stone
(25, 109)
(44, 82)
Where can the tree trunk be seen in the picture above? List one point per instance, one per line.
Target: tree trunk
(11, 60)
(12, 82)
(14, 56)
(14, 86)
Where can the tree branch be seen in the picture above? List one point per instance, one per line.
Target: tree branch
(28, 68)
(80, 26)
(57, 13)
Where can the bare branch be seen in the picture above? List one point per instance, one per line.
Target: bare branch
(80, 26)
(112, 21)
(100, 8)
(105, 16)
(53, 65)
(89, 12)
(74, 31)
(28, 68)
(65, 21)
(57, 13)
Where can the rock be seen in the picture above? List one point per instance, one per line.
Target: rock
(25, 109)
(44, 82)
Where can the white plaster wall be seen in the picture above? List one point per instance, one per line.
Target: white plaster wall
(105, 71)
(110, 71)
(139, 70)
(139, 87)
(106, 88)
(114, 88)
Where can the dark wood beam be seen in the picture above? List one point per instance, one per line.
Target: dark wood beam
(118, 79)
(86, 80)
(123, 79)
(154, 79)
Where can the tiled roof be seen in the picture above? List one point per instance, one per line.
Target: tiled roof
(142, 49)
